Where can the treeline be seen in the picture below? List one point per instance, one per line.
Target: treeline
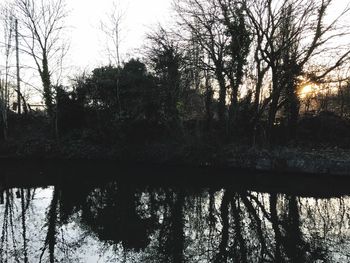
(231, 70)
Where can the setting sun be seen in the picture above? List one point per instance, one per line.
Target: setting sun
(307, 90)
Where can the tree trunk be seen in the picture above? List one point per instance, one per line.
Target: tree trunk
(260, 77)
(293, 111)
(208, 102)
(272, 117)
(222, 97)
(46, 80)
(275, 96)
(233, 110)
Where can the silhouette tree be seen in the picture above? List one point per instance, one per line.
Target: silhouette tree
(7, 25)
(166, 57)
(236, 50)
(288, 39)
(200, 18)
(139, 97)
(41, 26)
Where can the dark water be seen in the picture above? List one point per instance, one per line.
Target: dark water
(123, 222)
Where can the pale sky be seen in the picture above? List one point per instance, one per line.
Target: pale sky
(87, 47)
(87, 40)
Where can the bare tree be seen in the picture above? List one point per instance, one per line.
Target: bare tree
(200, 18)
(41, 25)
(290, 35)
(111, 26)
(220, 27)
(7, 26)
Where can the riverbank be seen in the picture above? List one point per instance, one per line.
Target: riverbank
(149, 143)
(327, 160)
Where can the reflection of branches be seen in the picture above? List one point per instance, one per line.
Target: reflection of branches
(24, 226)
(252, 212)
(324, 216)
(261, 206)
(8, 225)
(4, 234)
(50, 240)
(178, 228)
(275, 226)
(293, 243)
(235, 204)
(170, 225)
(224, 208)
(342, 215)
(11, 218)
(212, 220)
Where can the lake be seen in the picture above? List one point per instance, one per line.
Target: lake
(245, 218)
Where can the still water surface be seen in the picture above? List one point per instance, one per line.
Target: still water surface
(121, 222)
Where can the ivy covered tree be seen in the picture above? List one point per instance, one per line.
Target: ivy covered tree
(236, 50)
(167, 62)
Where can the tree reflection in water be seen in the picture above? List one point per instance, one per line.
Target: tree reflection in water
(148, 224)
